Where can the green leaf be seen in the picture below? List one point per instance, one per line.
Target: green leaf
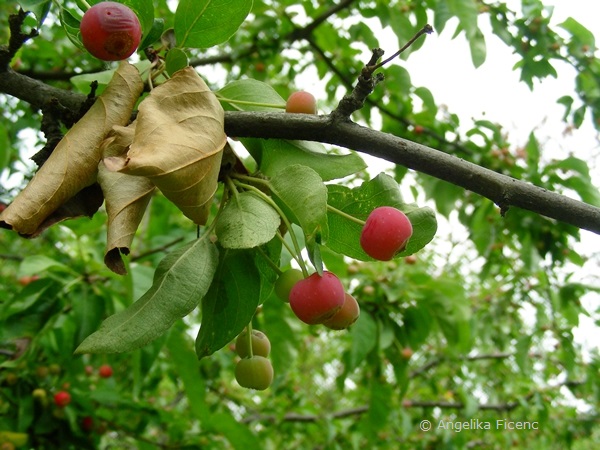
(441, 16)
(153, 34)
(250, 95)
(88, 311)
(83, 82)
(38, 264)
(273, 155)
(37, 304)
(478, 48)
(5, 147)
(39, 8)
(344, 234)
(567, 102)
(380, 407)
(181, 279)
(205, 23)
(70, 24)
(403, 28)
(272, 252)
(532, 150)
(187, 367)
(579, 32)
(284, 340)
(230, 302)
(238, 434)
(364, 339)
(144, 9)
(466, 11)
(246, 222)
(580, 180)
(300, 192)
(176, 60)
(445, 300)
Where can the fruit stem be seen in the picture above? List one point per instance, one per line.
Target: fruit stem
(209, 229)
(294, 254)
(85, 4)
(345, 215)
(231, 187)
(273, 266)
(249, 338)
(284, 218)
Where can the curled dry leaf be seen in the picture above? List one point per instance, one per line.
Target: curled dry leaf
(73, 164)
(178, 143)
(126, 198)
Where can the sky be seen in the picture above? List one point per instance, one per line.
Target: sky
(494, 89)
(494, 92)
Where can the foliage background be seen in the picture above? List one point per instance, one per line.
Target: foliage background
(488, 308)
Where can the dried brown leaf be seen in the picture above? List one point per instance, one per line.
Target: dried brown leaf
(73, 164)
(178, 144)
(126, 198)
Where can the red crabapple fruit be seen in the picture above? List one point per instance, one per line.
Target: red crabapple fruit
(110, 31)
(317, 298)
(105, 371)
(62, 399)
(385, 233)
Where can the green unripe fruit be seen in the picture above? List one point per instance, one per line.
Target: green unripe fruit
(254, 373)
(261, 346)
(286, 282)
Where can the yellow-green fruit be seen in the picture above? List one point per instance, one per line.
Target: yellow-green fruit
(254, 373)
(286, 282)
(261, 346)
(39, 394)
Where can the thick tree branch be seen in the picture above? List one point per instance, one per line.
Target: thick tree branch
(503, 190)
(36, 92)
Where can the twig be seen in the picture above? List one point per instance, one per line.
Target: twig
(355, 100)
(16, 40)
(152, 251)
(427, 29)
(306, 32)
(11, 257)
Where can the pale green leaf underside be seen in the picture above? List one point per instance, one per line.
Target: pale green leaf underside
(246, 222)
(181, 279)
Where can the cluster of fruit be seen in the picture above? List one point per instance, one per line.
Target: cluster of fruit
(321, 299)
(254, 370)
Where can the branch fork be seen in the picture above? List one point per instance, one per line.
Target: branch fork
(367, 81)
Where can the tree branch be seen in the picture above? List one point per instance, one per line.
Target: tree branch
(503, 190)
(305, 32)
(36, 92)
